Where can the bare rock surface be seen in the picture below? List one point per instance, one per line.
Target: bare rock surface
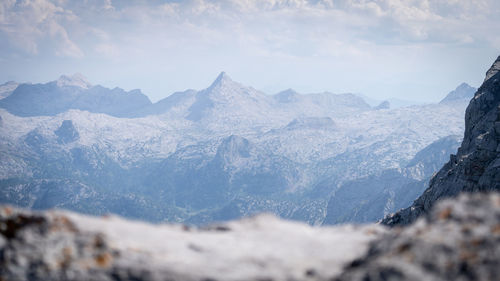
(476, 167)
(57, 245)
(458, 240)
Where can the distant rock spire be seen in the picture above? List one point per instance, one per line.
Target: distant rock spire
(222, 79)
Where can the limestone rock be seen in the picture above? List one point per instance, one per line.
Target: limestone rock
(58, 245)
(458, 240)
(476, 167)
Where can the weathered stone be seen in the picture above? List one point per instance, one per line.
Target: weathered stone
(458, 240)
(474, 168)
(58, 245)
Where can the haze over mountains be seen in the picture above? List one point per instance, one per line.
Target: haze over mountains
(220, 153)
(61, 245)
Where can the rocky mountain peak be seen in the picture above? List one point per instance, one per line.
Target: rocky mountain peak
(493, 69)
(463, 91)
(67, 132)
(221, 80)
(76, 80)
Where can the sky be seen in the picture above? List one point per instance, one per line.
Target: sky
(407, 49)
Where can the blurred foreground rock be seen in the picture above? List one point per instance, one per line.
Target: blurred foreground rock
(58, 245)
(459, 240)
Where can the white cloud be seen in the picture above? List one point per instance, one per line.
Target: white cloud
(270, 24)
(26, 24)
(284, 35)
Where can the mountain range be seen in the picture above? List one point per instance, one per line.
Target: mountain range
(438, 238)
(221, 153)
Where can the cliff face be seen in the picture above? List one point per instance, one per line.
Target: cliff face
(476, 167)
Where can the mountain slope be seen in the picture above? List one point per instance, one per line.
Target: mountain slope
(370, 198)
(476, 167)
(6, 89)
(463, 91)
(72, 93)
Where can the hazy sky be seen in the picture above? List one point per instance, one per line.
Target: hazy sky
(410, 49)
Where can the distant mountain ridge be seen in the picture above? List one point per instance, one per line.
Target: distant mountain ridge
(72, 92)
(75, 92)
(220, 153)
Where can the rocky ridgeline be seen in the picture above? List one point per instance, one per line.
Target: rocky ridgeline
(476, 167)
(459, 240)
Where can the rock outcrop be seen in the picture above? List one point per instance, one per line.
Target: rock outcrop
(476, 167)
(459, 240)
(67, 132)
(58, 245)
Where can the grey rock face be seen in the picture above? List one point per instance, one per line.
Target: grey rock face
(458, 240)
(476, 167)
(493, 70)
(67, 132)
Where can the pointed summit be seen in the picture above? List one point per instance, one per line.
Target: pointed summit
(463, 92)
(493, 69)
(76, 80)
(222, 79)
